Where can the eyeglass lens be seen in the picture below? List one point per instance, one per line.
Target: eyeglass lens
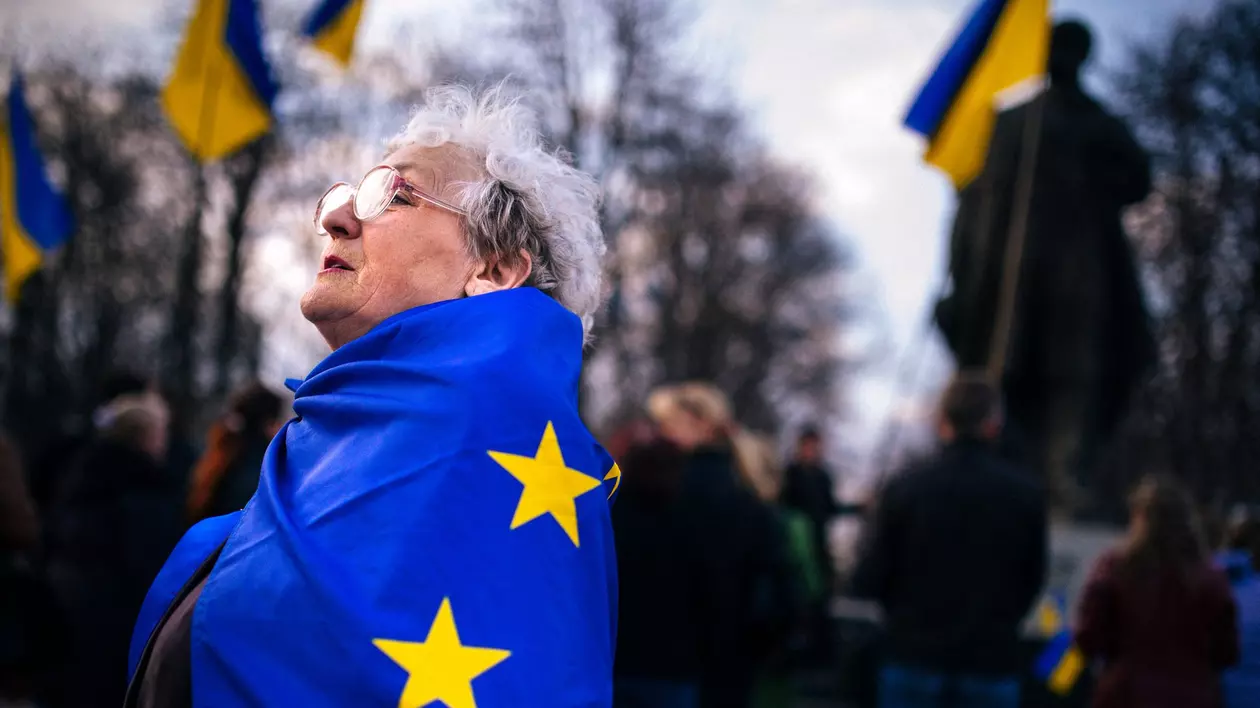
(371, 198)
(375, 193)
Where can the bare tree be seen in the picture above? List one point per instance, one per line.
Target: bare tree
(1195, 95)
(97, 302)
(719, 269)
(243, 171)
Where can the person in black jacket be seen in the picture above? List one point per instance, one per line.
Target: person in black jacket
(53, 461)
(808, 488)
(956, 556)
(661, 598)
(117, 519)
(749, 598)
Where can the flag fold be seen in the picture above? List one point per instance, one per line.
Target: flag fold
(219, 96)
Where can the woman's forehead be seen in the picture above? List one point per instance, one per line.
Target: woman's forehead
(432, 168)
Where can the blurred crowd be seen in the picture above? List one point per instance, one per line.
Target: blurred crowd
(87, 522)
(727, 577)
(956, 555)
(722, 557)
(726, 571)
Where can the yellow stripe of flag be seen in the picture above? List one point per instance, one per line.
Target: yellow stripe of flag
(1064, 676)
(218, 98)
(21, 256)
(332, 28)
(34, 216)
(1004, 44)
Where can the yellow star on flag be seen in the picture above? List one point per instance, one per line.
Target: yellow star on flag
(550, 486)
(440, 668)
(614, 474)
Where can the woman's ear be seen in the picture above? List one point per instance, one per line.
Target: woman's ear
(500, 274)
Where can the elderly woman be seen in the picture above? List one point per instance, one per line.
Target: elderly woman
(433, 526)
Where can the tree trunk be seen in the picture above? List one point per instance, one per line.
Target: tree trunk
(227, 348)
(180, 360)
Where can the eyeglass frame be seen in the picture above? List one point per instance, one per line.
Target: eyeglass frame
(400, 184)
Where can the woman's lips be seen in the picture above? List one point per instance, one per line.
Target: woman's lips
(334, 263)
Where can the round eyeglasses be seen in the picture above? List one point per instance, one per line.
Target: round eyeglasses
(375, 193)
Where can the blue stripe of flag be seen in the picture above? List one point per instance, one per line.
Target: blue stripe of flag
(937, 95)
(1050, 657)
(324, 15)
(244, 39)
(41, 210)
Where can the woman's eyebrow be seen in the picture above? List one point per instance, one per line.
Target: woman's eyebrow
(423, 174)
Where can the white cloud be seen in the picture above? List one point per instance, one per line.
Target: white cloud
(75, 15)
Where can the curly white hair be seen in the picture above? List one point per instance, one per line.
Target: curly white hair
(528, 196)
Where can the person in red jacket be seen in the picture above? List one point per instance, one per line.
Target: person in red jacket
(1156, 613)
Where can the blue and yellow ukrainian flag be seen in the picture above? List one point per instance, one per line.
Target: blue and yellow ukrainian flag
(219, 97)
(34, 216)
(1003, 44)
(332, 26)
(1060, 663)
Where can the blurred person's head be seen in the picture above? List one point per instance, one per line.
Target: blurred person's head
(254, 414)
(651, 472)
(970, 409)
(692, 414)
(139, 422)
(1243, 534)
(1164, 528)
(468, 201)
(255, 410)
(809, 446)
(696, 415)
(1070, 44)
(628, 436)
(117, 383)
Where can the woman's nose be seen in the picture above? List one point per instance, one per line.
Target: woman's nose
(340, 222)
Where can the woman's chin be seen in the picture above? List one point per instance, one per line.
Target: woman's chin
(327, 299)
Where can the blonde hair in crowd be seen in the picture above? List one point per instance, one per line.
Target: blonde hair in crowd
(755, 458)
(758, 464)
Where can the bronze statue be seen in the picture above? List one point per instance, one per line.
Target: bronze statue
(1079, 339)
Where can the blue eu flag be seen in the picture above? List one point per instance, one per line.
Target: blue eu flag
(431, 529)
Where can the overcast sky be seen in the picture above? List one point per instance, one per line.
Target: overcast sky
(827, 82)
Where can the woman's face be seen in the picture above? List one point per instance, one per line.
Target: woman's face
(413, 254)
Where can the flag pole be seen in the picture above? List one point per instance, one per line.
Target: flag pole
(189, 264)
(999, 342)
(999, 345)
